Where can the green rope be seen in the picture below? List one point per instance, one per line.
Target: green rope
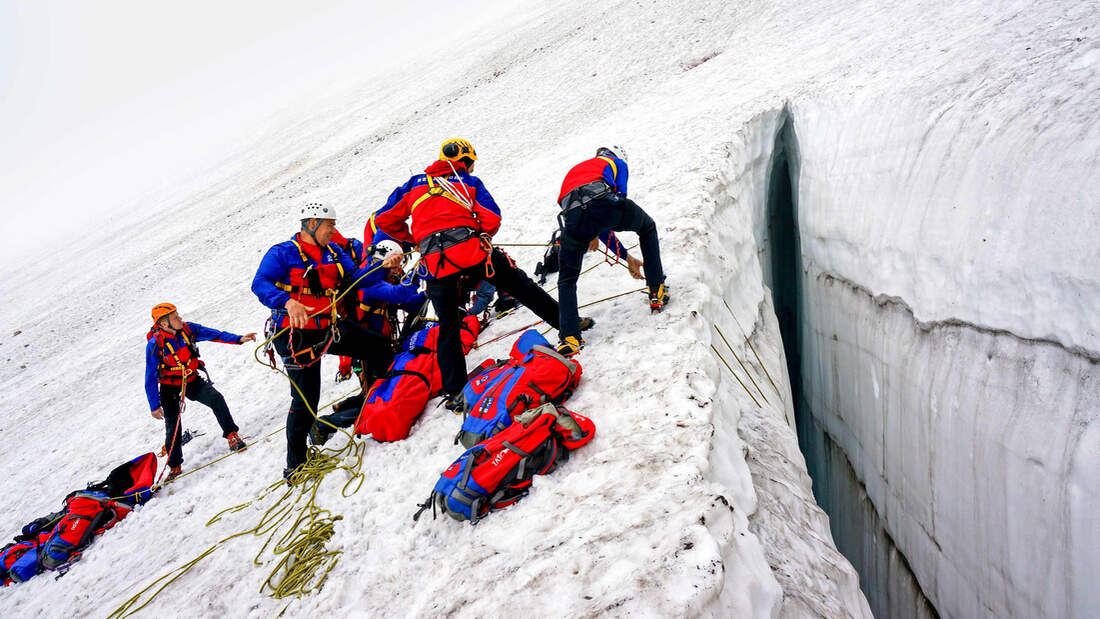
(724, 362)
(734, 353)
(303, 544)
(521, 244)
(614, 296)
(762, 366)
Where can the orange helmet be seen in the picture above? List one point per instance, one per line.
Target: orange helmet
(160, 310)
(455, 149)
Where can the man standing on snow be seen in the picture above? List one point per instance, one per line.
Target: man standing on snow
(453, 222)
(299, 280)
(172, 371)
(593, 202)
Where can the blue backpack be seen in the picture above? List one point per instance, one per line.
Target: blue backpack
(533, 374)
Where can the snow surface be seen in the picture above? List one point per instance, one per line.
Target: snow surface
(691, 500)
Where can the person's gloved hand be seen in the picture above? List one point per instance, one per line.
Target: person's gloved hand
(635, 267)
(158, 414)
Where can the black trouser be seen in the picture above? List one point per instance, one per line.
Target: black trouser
(346, 412)
(375, 350)
(613, 212)
(445, 296)
(199, 390)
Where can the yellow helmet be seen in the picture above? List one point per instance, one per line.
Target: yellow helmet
(456, 149)
(160, 310)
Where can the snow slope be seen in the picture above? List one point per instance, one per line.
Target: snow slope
(691, 500)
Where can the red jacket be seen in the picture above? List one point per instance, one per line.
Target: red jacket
(611, 170)
(444, 197)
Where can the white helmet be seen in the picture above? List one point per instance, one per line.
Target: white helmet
(615, 151)
(316, 210)
(381, 249)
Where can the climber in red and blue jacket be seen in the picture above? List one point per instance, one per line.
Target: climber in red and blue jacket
(616, 177)
(453, 220)
(172, 368)
(593, 203)
(299, 280)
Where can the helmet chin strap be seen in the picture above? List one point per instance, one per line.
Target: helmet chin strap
(313, 231)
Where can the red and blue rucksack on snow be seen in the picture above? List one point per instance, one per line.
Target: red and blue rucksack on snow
(533, 374)
(498, 471)
(55, 541)
(395, 401)
(87, 515)
(18, 562)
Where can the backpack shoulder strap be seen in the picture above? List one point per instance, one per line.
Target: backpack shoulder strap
(614, 168)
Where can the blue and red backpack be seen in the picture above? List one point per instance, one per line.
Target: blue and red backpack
(499, 471)
(55, 541)
(533, 374)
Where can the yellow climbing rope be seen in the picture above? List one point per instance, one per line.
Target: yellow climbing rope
(304, 563)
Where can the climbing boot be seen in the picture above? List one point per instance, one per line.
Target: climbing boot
(570, 346)
(658, 298)
(505, 303)
(586, 323)
(454, 403)
(173, 473)
(320, 433)
(236, 443)
(288, 475)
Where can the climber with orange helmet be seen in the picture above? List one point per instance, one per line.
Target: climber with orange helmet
(172, 368)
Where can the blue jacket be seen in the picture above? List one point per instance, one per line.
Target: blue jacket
(275, 267)
(153, 355)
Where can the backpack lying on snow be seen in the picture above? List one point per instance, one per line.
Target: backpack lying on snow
(498, 471)
(533, 374)
(397, 399)
(55, 541)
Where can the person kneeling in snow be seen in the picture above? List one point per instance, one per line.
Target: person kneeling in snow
(593, 202)
(379, 297)
(172, 372)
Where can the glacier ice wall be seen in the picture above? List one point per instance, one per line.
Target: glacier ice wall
(949, 344)
(753, 415)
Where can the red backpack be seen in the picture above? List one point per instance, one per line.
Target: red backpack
(499, 471)
(394, 401)
(55, 541)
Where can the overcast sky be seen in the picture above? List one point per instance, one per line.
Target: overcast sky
(102, 101)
